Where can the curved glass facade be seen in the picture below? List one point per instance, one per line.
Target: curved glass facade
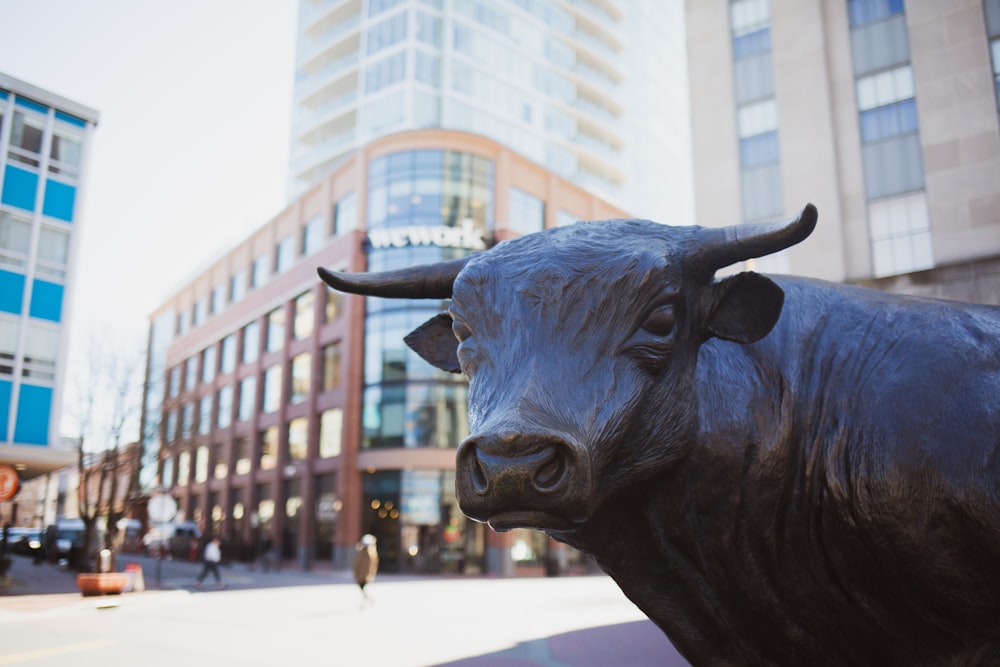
(424, 206)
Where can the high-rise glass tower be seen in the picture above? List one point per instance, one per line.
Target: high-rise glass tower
(593, 90)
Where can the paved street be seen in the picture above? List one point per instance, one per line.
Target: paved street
(293, 617)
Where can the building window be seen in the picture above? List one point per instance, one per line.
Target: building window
(187, 420)
(191, 373)
(208, 364)
(175, 381)
(200, 312)
(170, 431)
(242, 456)
(276, 329)
(201, 464)
(237, 286)
(26, 137)
(251, 342)
(15, 239)
(65, 152)
(312, 235)
(53, 251)
(861, 12)
(228, 358)
(331, 305)
(301, 377)
(248, 397)
(284, 254)
(272, 389)
(268, 448)
(183, 468)
(564, 218)
(258, 275)
(345, 214)
(388, 32)
(527, 212)
(219, 468)
(900, 234)
(331, 367)
(305, 315)
(331, 426)
(205, 414)
(225, 417)
(298, 439)
(218, 298)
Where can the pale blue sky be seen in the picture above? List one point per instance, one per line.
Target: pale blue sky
(191, 152)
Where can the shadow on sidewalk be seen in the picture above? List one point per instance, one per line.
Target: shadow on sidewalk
(636, 644)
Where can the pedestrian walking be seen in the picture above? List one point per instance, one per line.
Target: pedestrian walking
(365, 564)
(212, 556)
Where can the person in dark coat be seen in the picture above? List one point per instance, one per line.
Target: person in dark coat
(365, 564)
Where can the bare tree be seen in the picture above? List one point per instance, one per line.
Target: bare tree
(109, 390)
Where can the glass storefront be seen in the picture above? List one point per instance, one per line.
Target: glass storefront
(424, 207)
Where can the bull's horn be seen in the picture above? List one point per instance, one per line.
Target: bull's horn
(722, 247)
(431, 281)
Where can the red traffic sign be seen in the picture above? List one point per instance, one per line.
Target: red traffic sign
(9, 481)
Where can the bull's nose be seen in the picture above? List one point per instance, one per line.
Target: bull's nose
(519, 464)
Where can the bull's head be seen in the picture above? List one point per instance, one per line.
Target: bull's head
(580, 345)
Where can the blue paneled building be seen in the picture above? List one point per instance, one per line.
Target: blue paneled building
(43, 148)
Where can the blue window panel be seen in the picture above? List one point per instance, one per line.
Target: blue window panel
(29, 104)
(752, 43)
(34, 406)
(889, 121)
(79, 122)
(5, 391)
(3, 94)
(759, 150)
(46, 300)
(19, 188)
(867, 11)
(11, 292)
(59, 200)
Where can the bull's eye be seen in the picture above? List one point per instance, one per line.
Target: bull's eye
(660, 322)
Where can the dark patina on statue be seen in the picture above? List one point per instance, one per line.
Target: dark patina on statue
(776, 470)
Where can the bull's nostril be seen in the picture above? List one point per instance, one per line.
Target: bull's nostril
(480, 481)
(550, 473)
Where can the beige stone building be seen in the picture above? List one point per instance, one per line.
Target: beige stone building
(881, 112)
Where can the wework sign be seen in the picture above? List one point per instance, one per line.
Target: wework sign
(443, 237)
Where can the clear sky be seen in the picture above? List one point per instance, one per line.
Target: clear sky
(191, 151)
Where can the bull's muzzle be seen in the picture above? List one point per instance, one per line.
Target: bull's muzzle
(514, 479)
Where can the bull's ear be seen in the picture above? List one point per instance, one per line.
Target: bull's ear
(744, 307)
(434, 341)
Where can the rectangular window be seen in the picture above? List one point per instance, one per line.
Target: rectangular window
(41, 346)
(237, 286)
(53, 250)
(312, 235)
(527, 212)
(65, 151)
(305, 315)
(866, 11)
(758, 118)
(276, 329)
(218, 298)
(242, 455)
(208, 364)
(762, 194)
(331, 367)
(15, 239)
(889, 121)
(228, 358)
(301, 377)
(331, 306)
(754, 79)
(385, 72)
(205, 414)
(881, 45)
(345, 215)
(175, 381)
(183, 468)
(386, 33)
(894, 166)
(26, 137)
(170, 431)
(752, 43)
(298, 439)
(900, 234)
(258, 277)
(225, 417)
(330, 433)
(201, 464)
(284, 254)
(187, 420)
(251, 342)
(191, 373)
(200, 313)
(272, 389)
(268, 448)
(248, 397)
(219, 463)
(759, 150)
(885, 88)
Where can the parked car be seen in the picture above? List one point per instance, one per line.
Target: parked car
(178, 540)
(64, 540)
(28, 541)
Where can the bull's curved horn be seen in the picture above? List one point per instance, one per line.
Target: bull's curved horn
(431, 281)
(728, 245)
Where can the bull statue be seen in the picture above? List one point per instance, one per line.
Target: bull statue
(776, 470)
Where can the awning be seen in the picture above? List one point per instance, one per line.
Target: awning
(32, 460)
